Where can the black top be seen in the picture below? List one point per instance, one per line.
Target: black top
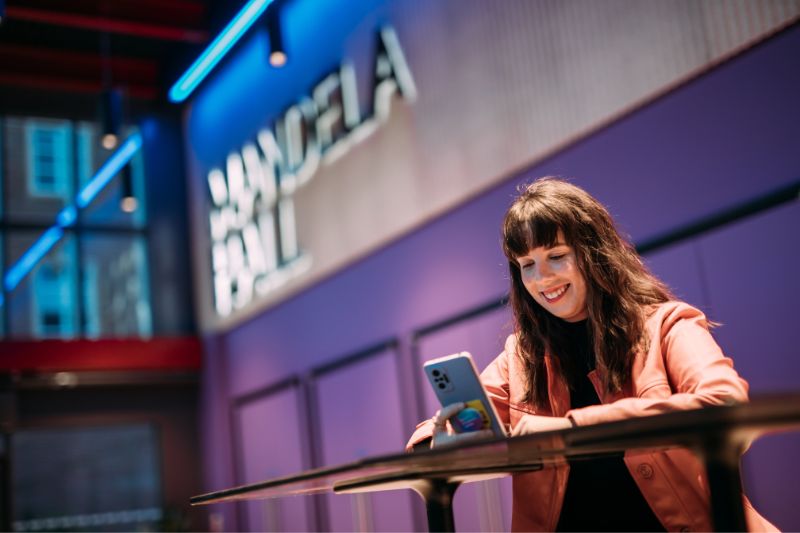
(601, 494)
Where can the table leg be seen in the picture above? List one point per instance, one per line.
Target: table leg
(725, 483)
(438, 496)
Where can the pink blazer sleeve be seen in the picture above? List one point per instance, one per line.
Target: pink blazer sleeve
(423, 432)
(495, 381)
(683, 368)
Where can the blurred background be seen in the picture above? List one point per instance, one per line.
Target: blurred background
(231, 232)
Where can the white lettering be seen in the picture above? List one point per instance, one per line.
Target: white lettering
(252, 222)
(392, 73)
(329, 112)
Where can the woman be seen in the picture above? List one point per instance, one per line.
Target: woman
(597, 338)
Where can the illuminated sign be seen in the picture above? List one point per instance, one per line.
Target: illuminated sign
(255, 249)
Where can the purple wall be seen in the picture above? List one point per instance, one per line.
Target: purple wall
(280, 410)
(722, 139)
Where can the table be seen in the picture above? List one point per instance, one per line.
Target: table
(719, 435)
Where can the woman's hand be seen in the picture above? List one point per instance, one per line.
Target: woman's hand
(537, 424)
(443, 434)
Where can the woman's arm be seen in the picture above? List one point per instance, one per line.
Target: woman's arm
(684, 362)
(495, 380)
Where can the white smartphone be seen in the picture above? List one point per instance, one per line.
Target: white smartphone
(455, 379)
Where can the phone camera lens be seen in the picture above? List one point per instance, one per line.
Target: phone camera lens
(442, 385)
(436, 373)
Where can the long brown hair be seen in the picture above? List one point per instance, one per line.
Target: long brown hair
(619, 286)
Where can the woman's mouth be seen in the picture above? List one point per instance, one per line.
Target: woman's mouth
(554, 295)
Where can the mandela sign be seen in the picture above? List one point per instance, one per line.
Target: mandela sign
(254, 244)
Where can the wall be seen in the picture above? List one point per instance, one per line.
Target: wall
(496, 86)
(727, 137)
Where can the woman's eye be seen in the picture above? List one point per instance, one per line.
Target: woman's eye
(526, 266)
(558, 257)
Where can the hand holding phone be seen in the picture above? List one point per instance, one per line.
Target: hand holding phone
(442, 437)
(455, 380)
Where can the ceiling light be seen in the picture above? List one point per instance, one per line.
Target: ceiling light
(277, 52)
(111, 118)
(109, 169)
(128, 203)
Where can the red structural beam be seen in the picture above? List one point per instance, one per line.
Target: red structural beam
(60, 70)
(66, 62)
(50, 83)
(107, 24)
(158, 354)
(183, 13)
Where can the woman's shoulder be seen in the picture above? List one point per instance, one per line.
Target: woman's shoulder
(510, 345)
(665, 315)
(510, 353)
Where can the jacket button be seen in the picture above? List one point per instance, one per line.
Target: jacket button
(645, 470)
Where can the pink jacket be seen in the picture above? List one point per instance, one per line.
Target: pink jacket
(684, 370)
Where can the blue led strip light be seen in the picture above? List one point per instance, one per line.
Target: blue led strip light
(69, 214)
(109, 169)
(217, 50)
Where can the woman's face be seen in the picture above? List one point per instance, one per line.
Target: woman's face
(553, 278)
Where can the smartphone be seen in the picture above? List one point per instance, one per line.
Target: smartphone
(455, 379)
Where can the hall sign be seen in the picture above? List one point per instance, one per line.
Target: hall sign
(254, 244)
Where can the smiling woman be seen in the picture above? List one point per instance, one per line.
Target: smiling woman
(585, 269)
(597, 338)
(552, 277)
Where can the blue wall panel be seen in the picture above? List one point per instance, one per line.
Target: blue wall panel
(359, 416)
(271, 445)
(754, 292)
(484, 505)
(680, 266)
(754, 289)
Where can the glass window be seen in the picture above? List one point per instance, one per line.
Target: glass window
(94, 282)
(39, 178)
(44, 304)
(2, 166)
(86, 151)
(49, 158)
(2, 290)
(115, 285)
(106, 208)
(83, 487)
(2, 244)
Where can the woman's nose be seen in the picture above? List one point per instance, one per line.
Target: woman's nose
(542, 271)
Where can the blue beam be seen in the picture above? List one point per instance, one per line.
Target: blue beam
(212, 55)
(110, 168)
(32, 256)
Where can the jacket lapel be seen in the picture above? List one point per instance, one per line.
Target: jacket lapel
(557, 389)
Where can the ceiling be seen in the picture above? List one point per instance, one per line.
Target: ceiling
(57, 56)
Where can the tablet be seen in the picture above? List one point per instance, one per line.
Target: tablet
(455, 379)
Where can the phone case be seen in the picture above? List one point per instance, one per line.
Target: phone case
(455, 379)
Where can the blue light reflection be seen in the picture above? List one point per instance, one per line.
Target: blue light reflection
(32, 256)
(245, 94)
(109, 169)
(217, 50)
(67, 216)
